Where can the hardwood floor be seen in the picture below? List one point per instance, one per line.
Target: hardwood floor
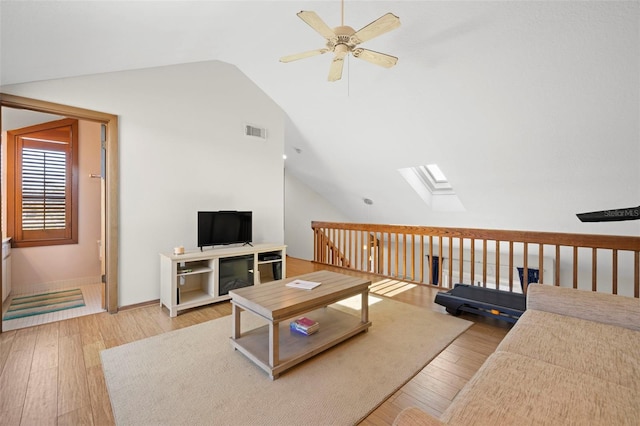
(51, 373)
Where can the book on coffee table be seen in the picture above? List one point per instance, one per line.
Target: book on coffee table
(304, 325)
(306, 285)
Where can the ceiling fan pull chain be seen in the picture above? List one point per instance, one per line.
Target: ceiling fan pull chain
(348, 77)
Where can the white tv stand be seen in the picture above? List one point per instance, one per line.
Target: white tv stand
(193, 279)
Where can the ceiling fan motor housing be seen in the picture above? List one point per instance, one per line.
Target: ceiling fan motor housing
(343, 36)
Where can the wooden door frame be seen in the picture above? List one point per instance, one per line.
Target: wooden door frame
(111, 180)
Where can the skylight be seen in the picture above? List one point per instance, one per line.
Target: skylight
(431, 184)
(428, 177)
(435, 173)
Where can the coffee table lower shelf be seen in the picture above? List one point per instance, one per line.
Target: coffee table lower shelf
(335, 327)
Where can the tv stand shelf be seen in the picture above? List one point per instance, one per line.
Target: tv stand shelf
(194, 270)
(198, 278)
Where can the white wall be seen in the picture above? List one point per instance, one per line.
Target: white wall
(302, 206)
(182, 149)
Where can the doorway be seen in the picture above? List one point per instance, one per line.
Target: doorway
(110, 216)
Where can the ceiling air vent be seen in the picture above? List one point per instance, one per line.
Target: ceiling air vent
(256, 132)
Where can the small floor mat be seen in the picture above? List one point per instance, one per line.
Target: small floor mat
(37, 304)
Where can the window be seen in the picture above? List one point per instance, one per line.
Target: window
(427, 178)
(42, 186)
(430, 183)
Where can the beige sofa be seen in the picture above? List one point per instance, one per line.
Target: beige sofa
(572, 358)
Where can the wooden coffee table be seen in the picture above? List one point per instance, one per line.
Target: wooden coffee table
(274, 347)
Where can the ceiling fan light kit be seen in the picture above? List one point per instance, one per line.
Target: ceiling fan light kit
(343, 40)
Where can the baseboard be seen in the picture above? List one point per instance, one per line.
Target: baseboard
(139, 305)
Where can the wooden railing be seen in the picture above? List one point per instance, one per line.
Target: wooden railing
(485, 257)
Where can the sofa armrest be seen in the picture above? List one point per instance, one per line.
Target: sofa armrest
(610, 309)
(413, 416)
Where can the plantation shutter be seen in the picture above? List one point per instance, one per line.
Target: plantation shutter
(44, 195)
(43, 184)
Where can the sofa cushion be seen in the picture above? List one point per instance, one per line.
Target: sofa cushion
(599, 350)
(515, 389)
(611, 309)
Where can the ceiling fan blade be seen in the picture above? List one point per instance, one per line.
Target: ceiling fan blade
(303, 55)
(316, 23)
(335, 71)
(380, 26)
(615, 215)
(377, 58)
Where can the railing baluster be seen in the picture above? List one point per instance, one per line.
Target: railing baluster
(461, 255)
(440, 261)
(325, 248)
(450, 273)
(525, 268)
(332, 249)
(413, 257)
(497, 264)
(510, 265)
(594, 269)
(421, 258)
(349, 255)
(326, 251)
(363, 249)
(397, 249)
(343, 252)
(388, 254)
(375, 253)
(575, 267)
(541, 262)
(473, 260)
(320, 237)
(484, 263)
(356, 249)
(431, 261)
(353, 248)
(340, 248)
(349, 248)
(404, 256)
(614, 278)
(636, 277)
(556, 279)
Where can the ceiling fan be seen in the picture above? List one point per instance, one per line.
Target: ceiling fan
(343, 40)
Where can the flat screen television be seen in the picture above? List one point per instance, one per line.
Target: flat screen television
(224, 227)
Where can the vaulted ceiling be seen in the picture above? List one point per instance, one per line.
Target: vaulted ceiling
(531, 109)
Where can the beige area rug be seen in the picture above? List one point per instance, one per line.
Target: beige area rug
(192, 376)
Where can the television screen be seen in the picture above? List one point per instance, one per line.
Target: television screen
(224, 227)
